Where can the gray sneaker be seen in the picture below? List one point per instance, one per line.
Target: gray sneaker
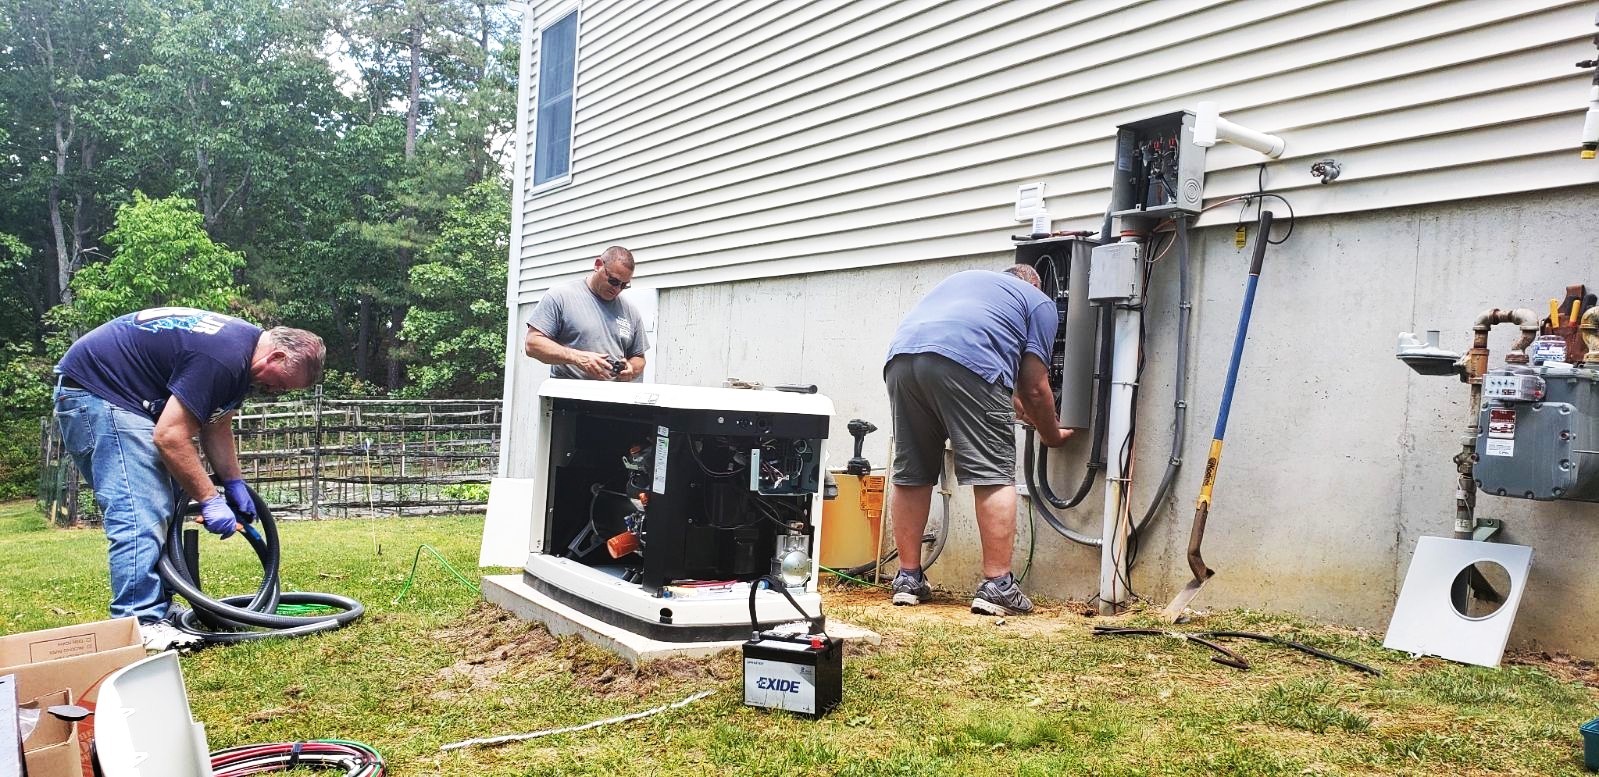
(910, 590)
(1001, 596)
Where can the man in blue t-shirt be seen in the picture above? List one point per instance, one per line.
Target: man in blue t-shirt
(966, 362)
(130, 398)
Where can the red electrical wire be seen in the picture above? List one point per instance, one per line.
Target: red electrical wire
(354, 758)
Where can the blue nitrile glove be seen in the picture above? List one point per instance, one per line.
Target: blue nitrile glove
(239, 496)
(218, 517)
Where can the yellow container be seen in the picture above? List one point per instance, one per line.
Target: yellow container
(852, 524)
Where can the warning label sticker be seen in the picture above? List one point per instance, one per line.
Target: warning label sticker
(1499, 447)
(1502, 423)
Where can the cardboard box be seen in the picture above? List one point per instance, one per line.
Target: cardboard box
(72, 658)
(52, 749)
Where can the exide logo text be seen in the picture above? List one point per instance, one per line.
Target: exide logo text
(774, 684)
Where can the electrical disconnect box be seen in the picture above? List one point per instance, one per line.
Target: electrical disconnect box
(1538, 433)
(1159, 170)
(662, 505)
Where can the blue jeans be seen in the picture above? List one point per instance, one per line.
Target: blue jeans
(115, 450)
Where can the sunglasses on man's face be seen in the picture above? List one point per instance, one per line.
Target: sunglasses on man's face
(615, 282)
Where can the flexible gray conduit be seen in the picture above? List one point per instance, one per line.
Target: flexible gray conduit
(1179, 405)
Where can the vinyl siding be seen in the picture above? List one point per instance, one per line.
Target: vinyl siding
(733, 139)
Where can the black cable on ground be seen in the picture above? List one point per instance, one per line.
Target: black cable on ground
(1202, 638)
(356, 759)
(245, 617)
(1227, 657)
(1300, 646)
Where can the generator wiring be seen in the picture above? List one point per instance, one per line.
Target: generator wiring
(356, 759)
(852, 578)
(442, 560)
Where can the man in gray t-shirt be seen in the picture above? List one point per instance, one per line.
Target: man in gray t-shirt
(584, 329)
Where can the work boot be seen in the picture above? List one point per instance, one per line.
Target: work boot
(1001, 596)
(911, 588)
(161, 636)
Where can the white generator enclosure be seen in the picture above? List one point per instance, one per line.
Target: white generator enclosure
(658, 506)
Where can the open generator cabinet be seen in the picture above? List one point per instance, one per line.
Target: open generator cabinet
(661, 505)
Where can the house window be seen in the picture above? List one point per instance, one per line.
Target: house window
(552, 141)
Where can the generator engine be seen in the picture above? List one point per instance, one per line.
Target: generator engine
(662, 505)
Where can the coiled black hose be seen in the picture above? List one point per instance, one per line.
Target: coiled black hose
(242, 618)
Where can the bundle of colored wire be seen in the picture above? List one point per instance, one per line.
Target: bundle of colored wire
(356, 759)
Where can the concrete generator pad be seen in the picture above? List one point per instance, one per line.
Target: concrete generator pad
(511, 593)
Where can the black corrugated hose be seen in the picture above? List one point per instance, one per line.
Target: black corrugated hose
(244, 617)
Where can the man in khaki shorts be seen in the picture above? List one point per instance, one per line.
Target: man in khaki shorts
(966, 362)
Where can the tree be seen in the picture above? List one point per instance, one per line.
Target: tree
(163, 257)
(456, 328)
(233, 101)
(427, 54)
(54, 64)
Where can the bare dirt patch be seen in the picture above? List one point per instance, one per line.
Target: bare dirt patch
(606, 675)
(1560, 665)
(494, 642)
(954, 608)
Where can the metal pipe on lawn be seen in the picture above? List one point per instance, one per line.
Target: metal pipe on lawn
(1125, 324)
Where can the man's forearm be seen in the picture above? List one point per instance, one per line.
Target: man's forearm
(174, 440)
(183, 463)
(216, 439)
(548, 351)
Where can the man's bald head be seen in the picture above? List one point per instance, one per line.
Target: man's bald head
(617, 256)
(1026, 273)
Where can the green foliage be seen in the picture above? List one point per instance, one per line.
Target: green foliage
(163, 257)
(457, 325)
(25, 382)
(340, 383)
(467, 492)
(284, 181)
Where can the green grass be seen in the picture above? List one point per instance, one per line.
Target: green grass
(945, 693)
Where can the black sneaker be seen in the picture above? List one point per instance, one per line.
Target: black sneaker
(1000, 596)
(911, 589)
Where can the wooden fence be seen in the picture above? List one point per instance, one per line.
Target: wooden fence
(334, 458)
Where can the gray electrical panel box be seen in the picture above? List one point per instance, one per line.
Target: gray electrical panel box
(1116, 272)
(1543, 449)
(1159, 170)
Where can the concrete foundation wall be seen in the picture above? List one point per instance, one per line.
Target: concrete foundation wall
(1337, 455)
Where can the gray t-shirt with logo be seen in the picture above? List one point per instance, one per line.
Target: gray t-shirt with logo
(574, 316)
